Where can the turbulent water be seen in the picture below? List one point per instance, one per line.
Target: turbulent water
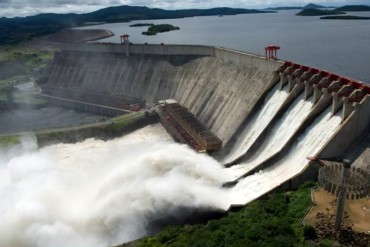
(258, 123)
(282, 131)
(103, 193)
(97, 193)
(308, 144)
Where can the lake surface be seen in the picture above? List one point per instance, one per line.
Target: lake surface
(340, 46)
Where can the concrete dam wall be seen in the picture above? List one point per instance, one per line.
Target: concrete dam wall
(219, 91)
(269, 114)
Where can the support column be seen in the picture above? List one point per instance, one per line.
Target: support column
(308, 90)
(337, 103)
(347, 108)
(317, 93)
(291, 84)
(283, 80)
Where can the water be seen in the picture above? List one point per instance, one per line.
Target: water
(282, 131)
(294, 162)
(258, 123)
(335, 45)
(99, 194)
(37, 119)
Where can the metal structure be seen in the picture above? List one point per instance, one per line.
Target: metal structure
(270, 51)
(124, 38)
(188, 128)
(126, 42)
(345, 182)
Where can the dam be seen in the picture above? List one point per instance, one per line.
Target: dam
(270, 115)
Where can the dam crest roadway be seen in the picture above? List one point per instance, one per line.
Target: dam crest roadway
(270, 115)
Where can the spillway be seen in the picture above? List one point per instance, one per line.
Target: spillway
(282, 131)
(258, 123)
(308, 144)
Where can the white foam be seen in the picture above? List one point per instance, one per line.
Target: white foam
(97, 193)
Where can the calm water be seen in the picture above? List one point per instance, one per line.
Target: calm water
(335, 45)
(44, 118)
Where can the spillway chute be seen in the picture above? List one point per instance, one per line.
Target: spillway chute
(257, 124)
(308, 144)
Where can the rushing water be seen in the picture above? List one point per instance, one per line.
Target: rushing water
(339, 46)
(294, 162)
(99, 194)
(282, 131)
(258, 123)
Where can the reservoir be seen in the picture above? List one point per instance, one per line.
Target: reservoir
(339, 46)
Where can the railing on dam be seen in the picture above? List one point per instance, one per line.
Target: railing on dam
(83, 106)
(238, 57)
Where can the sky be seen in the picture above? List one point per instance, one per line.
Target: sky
(12, 8)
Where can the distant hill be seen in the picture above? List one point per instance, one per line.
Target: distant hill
(313, 6)
(354, 8)
(13, 30)
(308, 6)
(319, 12)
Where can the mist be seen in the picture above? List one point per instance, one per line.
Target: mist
(97, 193)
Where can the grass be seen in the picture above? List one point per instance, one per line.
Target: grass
(111, 125)
(105, 129)
(272, 222)
(21, 64)
(7, 141)
(120, 121)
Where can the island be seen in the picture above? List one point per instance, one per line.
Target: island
(319, 12)
(160, 28)
(345, 17)
(142, 25)
(23, 29)
(354, 8)
(308, 6)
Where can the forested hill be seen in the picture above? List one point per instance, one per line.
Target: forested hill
(354, 8)
(13, 30)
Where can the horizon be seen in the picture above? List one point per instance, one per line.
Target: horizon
(21, 8)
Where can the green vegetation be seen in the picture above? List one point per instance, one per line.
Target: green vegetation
(20, 29)
(161, 28)
(107, 129)
(142, 25)
(7, 141)
(308, 6)
(354, 8)
(318, 12)
(313, 6)
(345, 17)
(275, 221)
(20, 64)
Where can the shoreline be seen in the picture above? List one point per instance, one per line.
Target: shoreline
(70, 35)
